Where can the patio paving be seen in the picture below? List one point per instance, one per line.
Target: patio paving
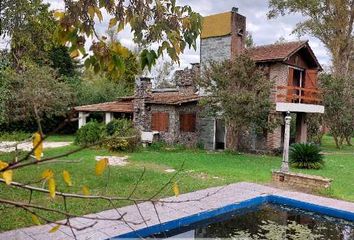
(208, 199)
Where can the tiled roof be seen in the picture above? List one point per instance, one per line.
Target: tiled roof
(216, 25)
(275, 52)
(172, 98)
(116, 106)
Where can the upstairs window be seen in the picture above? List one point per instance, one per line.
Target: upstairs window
(187, 122)
(160, 121)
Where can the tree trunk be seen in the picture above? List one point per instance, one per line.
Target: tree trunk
(233, 138)
(348, 140)
(336, 140)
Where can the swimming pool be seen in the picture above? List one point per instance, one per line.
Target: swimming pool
(258, 217)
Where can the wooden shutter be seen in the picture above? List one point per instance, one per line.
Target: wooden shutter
(290, 92)
(310, 83)
(160, 121)
(187, 122)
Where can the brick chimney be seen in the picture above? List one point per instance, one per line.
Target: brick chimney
(223, 36)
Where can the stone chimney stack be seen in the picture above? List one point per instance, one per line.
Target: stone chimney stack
(185, 79)
(143, 89)
(223, 36)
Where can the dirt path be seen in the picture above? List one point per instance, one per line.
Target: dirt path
(7, 146)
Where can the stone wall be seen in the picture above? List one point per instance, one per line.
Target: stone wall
(206, 126)
(186, 79)
(143, 88)
(173, 135)
(300, 181)
(215, 48)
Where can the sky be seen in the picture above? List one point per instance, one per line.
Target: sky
(263, 30)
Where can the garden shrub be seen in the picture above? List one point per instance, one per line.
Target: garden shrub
(15, 136)
(121, 136)
(305, 155)
(157, 145)
(91, 133)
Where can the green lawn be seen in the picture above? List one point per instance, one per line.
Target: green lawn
(201, 170)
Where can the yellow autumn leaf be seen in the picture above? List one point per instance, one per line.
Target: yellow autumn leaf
(112, 22)
(91, 11)
(99, 14)
(35, 219)
(38, 145)
(51, 187)
(67, 178)
(85, 190)
(7, 175)
(3, 165)
(101, 166)
(54, 229)
(47, 174)
(75, 53)
(176, 189)
(58, 15)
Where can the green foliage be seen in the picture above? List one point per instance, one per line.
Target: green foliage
(330, 21)
(97, 88)
(121, 136)
(338, 99)
(305, 155)
(33, 93)
(315, 131)
(240, 91)
(15, 136)
(164, 23)
(91, 133)
(157, 145)
(31, 28)
(61, 60)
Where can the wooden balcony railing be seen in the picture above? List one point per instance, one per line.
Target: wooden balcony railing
(292, 94)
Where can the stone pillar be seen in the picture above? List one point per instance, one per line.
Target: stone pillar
(82, 119)
(301, 128)
(108, 117)
(285, 162)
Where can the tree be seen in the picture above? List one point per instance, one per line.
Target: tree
(171, 27)
(33, 94)
(249, 40)
(331, 21)
(339, 112)
(239, 91)
(164, 70)
(31, 28)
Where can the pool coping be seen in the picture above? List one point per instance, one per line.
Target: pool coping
(211, 200)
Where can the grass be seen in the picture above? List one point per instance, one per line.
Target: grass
(202, 169)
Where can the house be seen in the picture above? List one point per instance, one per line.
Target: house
(175, 115)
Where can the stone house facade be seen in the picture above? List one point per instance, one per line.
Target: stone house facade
(173, 115)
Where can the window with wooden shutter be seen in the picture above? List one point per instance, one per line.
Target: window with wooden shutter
(187, 122)
(160, 121)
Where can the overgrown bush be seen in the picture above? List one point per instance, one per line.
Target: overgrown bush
(15, 136)
(91, 133)
(121, 136)
(305, 155)
(157, 145)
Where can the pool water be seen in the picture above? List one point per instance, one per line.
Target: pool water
(267, 221)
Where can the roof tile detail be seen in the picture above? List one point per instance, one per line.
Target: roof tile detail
(116, 106)
(275, 52)
(172, 98)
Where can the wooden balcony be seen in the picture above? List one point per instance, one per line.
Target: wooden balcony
(292, 94)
